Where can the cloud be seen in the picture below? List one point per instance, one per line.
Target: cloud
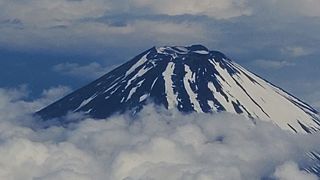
(63, 12)
(212, 8)
(35, 13)
(291, 171)
(272, 64)
(54, 93)
(77, 26)
(72, 25)
(158, 144)
(14, 106)
(168, 33)
(296, 51)
(90, 71)
(95, 37)
(306, 8)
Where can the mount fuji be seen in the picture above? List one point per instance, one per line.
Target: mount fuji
(191, 79)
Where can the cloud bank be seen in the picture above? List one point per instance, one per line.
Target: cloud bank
(158, 144)
(92, 26)
(272, 64)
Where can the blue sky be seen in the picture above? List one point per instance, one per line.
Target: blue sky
(46, 43)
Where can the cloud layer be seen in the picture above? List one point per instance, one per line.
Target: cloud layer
(91, 26)
(273, 64)
(158, 144)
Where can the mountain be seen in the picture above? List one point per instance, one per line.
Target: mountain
(189, 79)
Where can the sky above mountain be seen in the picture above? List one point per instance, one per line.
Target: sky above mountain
(46, 44)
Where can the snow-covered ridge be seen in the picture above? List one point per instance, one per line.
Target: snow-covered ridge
(190, 79)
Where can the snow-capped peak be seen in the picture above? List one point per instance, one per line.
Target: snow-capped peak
(190, 79)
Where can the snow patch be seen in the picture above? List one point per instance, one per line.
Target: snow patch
(201, 52)
(144, 97)
(138, 64)
(85, 102)
(188, 79)
(169, 85)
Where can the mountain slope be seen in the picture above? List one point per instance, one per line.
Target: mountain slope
(190, 79)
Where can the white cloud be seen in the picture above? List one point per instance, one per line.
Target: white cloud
(63, 25)
(291, 171)
(306, 8)
(63, 12)
(13, 105)
(96, 37)
(288, 9)
(295, 51)
(272, 64)
(167, 33)
(159, 144)
(79, 25)
(213, 8)
(48, 13)
(50, 95)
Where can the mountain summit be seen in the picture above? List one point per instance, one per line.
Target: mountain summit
(191, 79)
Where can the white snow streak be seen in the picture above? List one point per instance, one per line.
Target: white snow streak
(187, 80)
(86, 101)
(221, 99)
(154, 82)
(138, 64)
(144, 97)
(133, 90)
(140, 73)
(169, 86)
(201, 52)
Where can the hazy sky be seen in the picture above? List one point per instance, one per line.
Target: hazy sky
(71, 42)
